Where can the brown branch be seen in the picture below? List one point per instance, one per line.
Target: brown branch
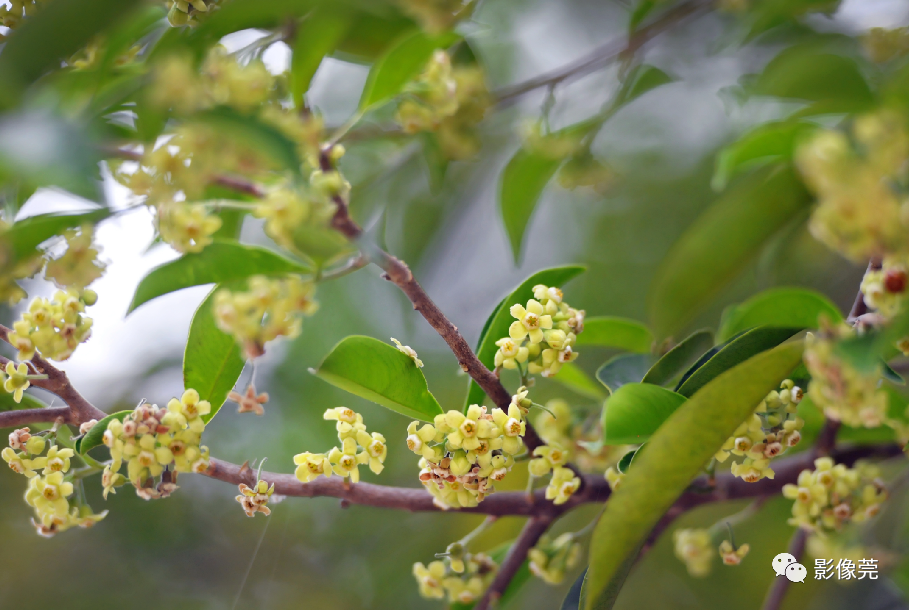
(781, 584)
(527, 539)
(603, 55)
(23, 417)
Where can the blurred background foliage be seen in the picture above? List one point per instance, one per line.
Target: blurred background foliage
(669, 164)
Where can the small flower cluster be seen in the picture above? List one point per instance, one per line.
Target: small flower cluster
(49, 492)
(54, 327)
(548, 326)
(843, 391)
(563, 483)
(358, 447)
(882, 44)
(859, 212)
(285, 210)
(832, 495)
(157, 442)
(430, 98)
(14, 12)
(583, 169)
(254, 499)
(767, 433)
(78, 266)
(186, 227)
(463, 454)
(271, 308)
(550, 559)
(733, 556)
(694, 547)
(15, 380)
(462, 576)
(189, 12)
(884, 289)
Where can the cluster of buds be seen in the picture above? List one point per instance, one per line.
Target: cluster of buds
(458, 134)
(772, 429)
(542, 334)
(189, 12)
(186, 227)
(832, 495)
(859, 212)
(271, 308)
(562, 485)
(254, 499)
(844, 392)
(463, 454)
(694, 547)
(550, 559)
(430, 98)
(882, 44)
(358, 447)
(462, 576)
(285, 209)
(50, 492)
(884, 289)
(157, 442)
(78, 266)
(54, 327)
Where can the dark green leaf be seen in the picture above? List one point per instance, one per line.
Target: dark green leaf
(381, 373)
(675, 454)
(624, 368)
(639, 81)
(497, 325)
(574, 597)
(317, 36)
(93, 437)
(720, 242)
(679, 358)
(625, 463)
(523, 181)
(211, 362)
(250, 131)
(780, 307)
(738, 350)
(769, 143)
(24, 236)
(220, 261)
(635, 411)
(403, 61)
(575, 379)
(611, 331)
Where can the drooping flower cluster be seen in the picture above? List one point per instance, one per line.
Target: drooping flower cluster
(733, 556)
(463, 454)
(832, 495)
(552, 458)
(431, 97)
(78, 266)
(358, 447)
(542, 335)
(694, 547)
(860, 213)
(843, 391)
(884, 289)
(54, 327)
(271, 308)
(50, 491)
(550, 559)
(249, 401)
(773, 428)
(462, 576)
(254, 499)
(157, 442)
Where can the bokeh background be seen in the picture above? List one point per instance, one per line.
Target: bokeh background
(197, 550)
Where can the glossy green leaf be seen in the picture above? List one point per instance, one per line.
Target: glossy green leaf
(575, 379)
(625, 463)
(93, 437)
(738, 350)
(780, 307)
(768, 143)
(575, 596)
(497, 324)
(24, 236)
(220, 261)
(639, 81)
(523, 181)
(675, 455)
(715, 248)
(624, 368)
(381, 373)
(317, 36)
(680, 358)
(635, 411)
(249, 130)
(212, 361)
(622, 333)
(403, 61)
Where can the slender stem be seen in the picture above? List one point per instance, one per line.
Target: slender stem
(529, 536)
(780, 585)
(477, 531)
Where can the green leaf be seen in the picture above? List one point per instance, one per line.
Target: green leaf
(317, 36)
(400, 64)
(219, 262)
(609, 331)
(635, 411)
(640, 13)
(574, 599)
(24, 236)
(780, 307)
(807, 73)
(738, 350)
(47, 37)
(522, 184)
(675, 455)
(381, 373)
(254, 133)
(639, 81)
(28, 402)
(624, 368)
(93, 437)
(679, 358)
(625, 463)
(720, 242)
(575, 379)
(497, 324)
(769, 143)
(211, 362)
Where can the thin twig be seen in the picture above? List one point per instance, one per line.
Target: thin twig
(781, 584)
(526, 540)
(23, 417)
